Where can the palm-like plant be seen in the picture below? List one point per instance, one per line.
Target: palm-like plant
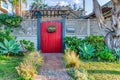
(17, 4)
(38, 4)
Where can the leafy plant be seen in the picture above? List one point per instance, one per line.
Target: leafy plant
(8, 47)
(71, 59)
(86, 51)
(6, 34)
(27, 45)
(25, 71)
(11, 21)
(96, 41)
(117, 52)
(90, 47)
(105, 54)
(28, 68)
(73, 43)
(78, 74)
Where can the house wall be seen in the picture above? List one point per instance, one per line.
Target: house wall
(74, 27)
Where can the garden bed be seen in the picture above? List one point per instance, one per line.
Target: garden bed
(91, 59)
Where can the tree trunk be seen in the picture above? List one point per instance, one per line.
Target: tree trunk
(17, 10)
(112, 36)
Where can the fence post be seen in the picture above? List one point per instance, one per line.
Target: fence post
(38, 15)
(88, 27)
(63, 32)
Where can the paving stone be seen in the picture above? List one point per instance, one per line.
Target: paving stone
(53, 68)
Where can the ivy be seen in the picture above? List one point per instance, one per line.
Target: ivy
(11, 21)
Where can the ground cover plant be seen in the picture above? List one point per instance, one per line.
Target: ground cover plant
(28, 68)
(7, 67)
(103, 70)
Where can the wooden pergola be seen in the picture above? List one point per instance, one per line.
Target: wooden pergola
(51, 12)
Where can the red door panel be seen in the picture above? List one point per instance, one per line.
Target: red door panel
(51, 42)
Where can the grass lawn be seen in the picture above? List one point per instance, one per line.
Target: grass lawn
(7, 67)
(103, 70)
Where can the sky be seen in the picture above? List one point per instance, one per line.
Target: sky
(89, 4)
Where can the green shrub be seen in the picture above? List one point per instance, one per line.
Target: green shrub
(90, 47)
(96, 41)
(71, 59)
(11, 21)
(86, 51)
(28, 68)
(9, 47)
(73, 43)
(27, 45)
(6, 34)
(105, 54)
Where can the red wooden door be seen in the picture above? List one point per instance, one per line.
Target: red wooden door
(51, 42)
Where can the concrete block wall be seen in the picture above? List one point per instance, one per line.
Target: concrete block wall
(82, 29)
(31, 38)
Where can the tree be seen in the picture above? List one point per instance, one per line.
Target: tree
(17, 5)
(111, 35)
(38, 4)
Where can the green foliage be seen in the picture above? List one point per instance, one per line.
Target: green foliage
(86, 51)
(7, 35)
(92, 47)
(78, 74)
(8, 47)
(105, 54)
(11, 21)
(117, 52)
(27, 45)
(7, 67)
(28, 68)
(73, 43)
(96, 41)
(71, 59)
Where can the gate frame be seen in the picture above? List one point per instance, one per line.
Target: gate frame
(38, 15)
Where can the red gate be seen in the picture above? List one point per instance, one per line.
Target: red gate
(51, 42)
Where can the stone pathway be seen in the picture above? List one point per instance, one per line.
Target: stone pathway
(53, 68)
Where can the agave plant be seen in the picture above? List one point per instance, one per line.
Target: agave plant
(117, 51)
(8, 47)
(86, 51)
